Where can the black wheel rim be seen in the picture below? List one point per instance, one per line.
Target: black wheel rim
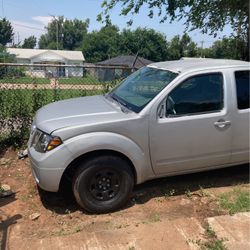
(105, 185)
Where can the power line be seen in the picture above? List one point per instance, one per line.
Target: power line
(27, 26)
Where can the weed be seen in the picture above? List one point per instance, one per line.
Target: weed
(24, 198)
(159, 199)
(210, 232)
(154, 218)
(235, 201)
(131, 248)
(67, 211)
(189, 194)
(60, 232)
(203, 192)
(169, 193)
(122, 226)
(212, 242)
(214, 245)
(77, 229)
(172, 192)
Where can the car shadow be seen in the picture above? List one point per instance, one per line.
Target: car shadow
(181, 184)
(64, 202)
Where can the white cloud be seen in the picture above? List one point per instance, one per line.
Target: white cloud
(42, 19)
(23, 30)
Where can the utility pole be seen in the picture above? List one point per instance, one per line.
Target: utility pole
(202, 42)
(57, 31)
(18, 38)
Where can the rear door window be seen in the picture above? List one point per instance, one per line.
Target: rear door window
(242, 89)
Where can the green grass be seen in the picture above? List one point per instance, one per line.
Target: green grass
(217, 244)
(88, 79)
(212, 242)
(24, 103)
(25, 80)
(235, 201)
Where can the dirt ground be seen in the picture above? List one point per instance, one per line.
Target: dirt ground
(172, 198)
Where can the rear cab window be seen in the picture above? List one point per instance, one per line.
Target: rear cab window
(242, 88)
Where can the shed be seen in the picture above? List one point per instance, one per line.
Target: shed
(131, 62)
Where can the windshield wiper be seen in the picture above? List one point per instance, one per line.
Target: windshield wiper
(123, 105)
(118, 101)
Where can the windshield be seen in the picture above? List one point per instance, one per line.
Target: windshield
(136, 91)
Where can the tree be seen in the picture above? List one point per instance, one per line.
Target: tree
(6, 32)
(110, 42)
(29, 43)
(147, 43)
(74, 32)
(231, 48)
(5, 57)
(103, 44)
(53, 39)
(64, 34)
(182, 47)
(209, 16)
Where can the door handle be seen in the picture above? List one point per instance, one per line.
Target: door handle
(222, 123)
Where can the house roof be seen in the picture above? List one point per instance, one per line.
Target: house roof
(197, 64)
(30, 53)
(127, 61)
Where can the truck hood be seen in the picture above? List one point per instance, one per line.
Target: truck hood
(76, 112)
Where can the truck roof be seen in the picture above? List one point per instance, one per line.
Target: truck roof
(196, 64)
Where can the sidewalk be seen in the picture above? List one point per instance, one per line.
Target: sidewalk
(171, 235)
(168, 234)
(235, 230)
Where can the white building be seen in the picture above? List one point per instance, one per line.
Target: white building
(44, 56)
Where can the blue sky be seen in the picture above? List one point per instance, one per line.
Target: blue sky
(29, 17)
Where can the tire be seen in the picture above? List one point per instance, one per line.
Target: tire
(103, 184)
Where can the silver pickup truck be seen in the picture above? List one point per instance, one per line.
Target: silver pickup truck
(168, 118)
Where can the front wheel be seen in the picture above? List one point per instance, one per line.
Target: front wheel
(103, 184)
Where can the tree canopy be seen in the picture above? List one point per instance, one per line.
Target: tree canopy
(209, 16)
(29, 43)
(69, 34)
(110, 42)
(101, 45)
(6, 31)
(148, 43)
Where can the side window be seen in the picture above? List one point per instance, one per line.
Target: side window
(242, 88)
(196, 95)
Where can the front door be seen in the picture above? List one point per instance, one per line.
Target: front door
(194, 131)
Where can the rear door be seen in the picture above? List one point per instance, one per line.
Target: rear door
(195, 130)
(240, 142)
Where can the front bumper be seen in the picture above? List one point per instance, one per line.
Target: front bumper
(48, 168)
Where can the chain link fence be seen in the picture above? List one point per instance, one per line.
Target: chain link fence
(24, 88)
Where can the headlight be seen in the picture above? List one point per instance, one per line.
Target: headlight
(47, 142)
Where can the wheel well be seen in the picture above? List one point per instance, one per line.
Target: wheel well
(66, 180)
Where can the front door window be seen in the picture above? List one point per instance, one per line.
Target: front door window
(196, 95)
